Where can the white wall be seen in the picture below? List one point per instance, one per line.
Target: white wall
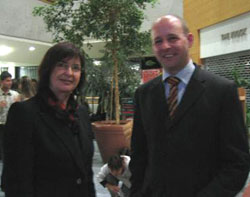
(17, 20)
(161, 8)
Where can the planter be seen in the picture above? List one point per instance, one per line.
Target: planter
(111, 137)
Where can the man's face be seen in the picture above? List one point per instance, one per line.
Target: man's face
(6, 83)
(171, 44)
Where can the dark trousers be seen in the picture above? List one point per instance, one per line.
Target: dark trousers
(1, 140)
(1, 150)
(114, 181)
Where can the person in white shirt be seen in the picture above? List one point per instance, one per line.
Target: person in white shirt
(7, 97)
(115, 171)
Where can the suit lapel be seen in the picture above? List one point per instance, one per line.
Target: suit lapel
(192, 93)
(64, 134)
(159, 100)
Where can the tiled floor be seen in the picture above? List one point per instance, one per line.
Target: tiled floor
(97, 164)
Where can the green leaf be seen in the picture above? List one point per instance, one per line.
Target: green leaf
(117, 22)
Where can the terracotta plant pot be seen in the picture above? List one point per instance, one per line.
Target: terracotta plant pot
(111, 137)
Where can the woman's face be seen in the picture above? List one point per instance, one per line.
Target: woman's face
(65, 76)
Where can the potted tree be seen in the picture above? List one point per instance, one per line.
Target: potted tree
(242, 84)
(117, 22)
(110, 137)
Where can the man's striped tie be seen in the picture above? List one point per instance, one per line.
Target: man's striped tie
(173, 95)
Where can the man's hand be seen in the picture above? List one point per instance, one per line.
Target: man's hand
(112, 188)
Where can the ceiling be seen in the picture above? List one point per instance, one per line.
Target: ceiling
(25, 31)
(20, 54)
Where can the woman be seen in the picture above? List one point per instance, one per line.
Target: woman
(47, 143)
(26, 88)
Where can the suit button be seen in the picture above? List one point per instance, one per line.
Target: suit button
(78, 181)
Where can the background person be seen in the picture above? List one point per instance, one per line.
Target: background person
(114, 171)
(7, 97)
(189, 137)
(34, 83)
(14, 85)
(48, 149)
(26, 88)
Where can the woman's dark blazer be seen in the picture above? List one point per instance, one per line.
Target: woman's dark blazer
(41, 156)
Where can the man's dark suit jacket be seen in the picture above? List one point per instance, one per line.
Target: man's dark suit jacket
(202, 152)
(41, 158)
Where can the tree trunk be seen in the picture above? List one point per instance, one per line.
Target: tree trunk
(117, 102)
(111, 96)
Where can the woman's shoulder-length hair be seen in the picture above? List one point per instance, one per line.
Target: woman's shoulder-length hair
(55, 54)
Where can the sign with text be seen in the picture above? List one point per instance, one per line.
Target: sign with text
(234, 34)
(230, 36)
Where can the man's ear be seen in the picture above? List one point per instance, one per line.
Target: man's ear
(190, 38)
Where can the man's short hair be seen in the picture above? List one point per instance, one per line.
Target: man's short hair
(115, 162)
(4, 75)
(183, 23)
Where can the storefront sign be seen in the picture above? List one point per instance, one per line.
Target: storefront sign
(229, 36)
(234, 34)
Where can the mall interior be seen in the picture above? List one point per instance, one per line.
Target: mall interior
(221, 30)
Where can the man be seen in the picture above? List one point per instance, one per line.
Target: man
(7, 97)
(189, 137)
(114, 171)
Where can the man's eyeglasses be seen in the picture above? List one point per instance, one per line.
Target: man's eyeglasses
(65, 66)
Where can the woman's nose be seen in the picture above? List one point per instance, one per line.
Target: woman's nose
(69, 70)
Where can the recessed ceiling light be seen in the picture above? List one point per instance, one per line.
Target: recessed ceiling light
(32, 48)
(5, 50)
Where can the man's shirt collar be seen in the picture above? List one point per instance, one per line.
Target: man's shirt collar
(5, 93)
(184, 75)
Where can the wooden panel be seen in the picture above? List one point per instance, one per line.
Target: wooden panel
(203, 13)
